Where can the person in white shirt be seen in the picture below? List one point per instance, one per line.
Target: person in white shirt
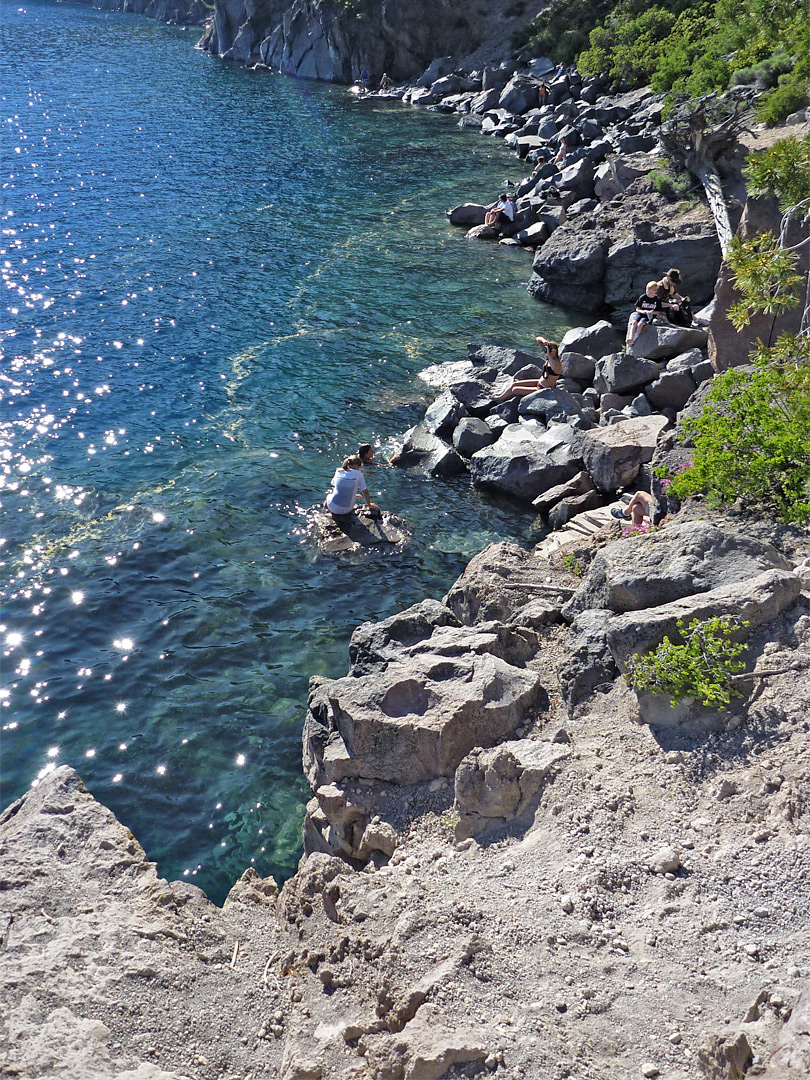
(502, 212)
(347, 483)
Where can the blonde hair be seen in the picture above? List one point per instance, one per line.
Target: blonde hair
(353, 462)
(651, 285)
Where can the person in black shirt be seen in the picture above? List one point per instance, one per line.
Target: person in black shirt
(647, 307)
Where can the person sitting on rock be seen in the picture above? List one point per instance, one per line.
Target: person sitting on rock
(648, 307)
(501, 213)
(385, 82)
(347, 483)
(639, 508)
(676, 307)
(552, 369)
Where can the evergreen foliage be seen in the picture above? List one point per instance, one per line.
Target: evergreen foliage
(701, 666)
(688, 47)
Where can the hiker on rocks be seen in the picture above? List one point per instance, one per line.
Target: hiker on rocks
(385, 82)
(502, 212)
(347, 483)
(639, 508)
(552, 369)
(648, 307)
(542, 93)
(562, 153)
(676, 307)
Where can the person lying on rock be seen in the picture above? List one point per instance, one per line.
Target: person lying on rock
(502, 212)
(552, 369)
(676, 307)
(648, 307)
(639, 508)
(347, 483)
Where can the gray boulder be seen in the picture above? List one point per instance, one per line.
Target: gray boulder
(486, 100)
(621, 373)
(577, 178)
(374, 645)
(482, 232)
(613, 455)
(499, 358)
(646, 571)
(599, 339)
(577, 485)
(755, 601)
(430, 453)
(671, 390)
(570, 271)
(568, 508)
(443, 414)
(419, 717)
(632, 262)
(588, 661)
(577, 366)
(534, 236)
(518, 465)
(467, 214)
(662, 342)
(519, 95)
(550, 405)
(692, 358)
(472, 435)
(498, 584)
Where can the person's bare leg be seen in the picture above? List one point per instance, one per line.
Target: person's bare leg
(519, 389)
(639, 507)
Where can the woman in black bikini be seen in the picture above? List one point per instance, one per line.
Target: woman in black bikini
(552, 369)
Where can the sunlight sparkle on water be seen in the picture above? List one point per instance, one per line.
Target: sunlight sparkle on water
(77, 596)
(125, 644)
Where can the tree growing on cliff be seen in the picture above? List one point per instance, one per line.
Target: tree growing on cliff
(752, 440)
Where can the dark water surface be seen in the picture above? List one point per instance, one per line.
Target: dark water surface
(217, 282)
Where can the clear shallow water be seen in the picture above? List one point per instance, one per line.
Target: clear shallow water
(216, 284)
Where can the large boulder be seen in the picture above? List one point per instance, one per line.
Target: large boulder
(519, 95)
(641, 571)
(755, 601)
(497, 584)
(631, 263)
(599, 339)
(430, 453)
(350, 534)
(569, 270)
(671, 390)
(621, 373)
(467, 214)
(577, 178)
(613, 455)
(588, 661)
(443, 414)
(519, 465)
(729, 347)
(374, 645)
(416, 719)
(572, 505)
(499, 357)
(664, 341)
(550, 404)
(577, 366)
(472, 435)
(577, 485)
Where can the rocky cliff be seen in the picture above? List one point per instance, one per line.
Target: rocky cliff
(319, 39)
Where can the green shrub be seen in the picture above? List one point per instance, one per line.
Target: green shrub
(673, 185)
(775, 106)
(783, 170)
(752, 441)
(765, 74)
(700, 666)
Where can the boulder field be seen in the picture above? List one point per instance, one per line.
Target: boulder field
(511, 868)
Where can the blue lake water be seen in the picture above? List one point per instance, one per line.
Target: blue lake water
(216, 283)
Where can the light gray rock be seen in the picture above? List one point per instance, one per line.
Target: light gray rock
(374, 645)
(647, 571)
(483, 232)
(419, 717)
(685, 361)
(613, 455)
(570, 271)
(499, 785)
(599, 339)
(577, 485)
(428, 452)
(620, 373)
(671, 390)
(578, 179)
(534, 235)
(755, 600)
(519, 95)
(578, 366)
(556, 404)
(791, 1058)
(518, 465)
(443, 414)
(472, 435)
(495, 585)
(662, 342)
(351, 534)
(499, 357)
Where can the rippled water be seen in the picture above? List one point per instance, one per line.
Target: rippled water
(217, 282)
